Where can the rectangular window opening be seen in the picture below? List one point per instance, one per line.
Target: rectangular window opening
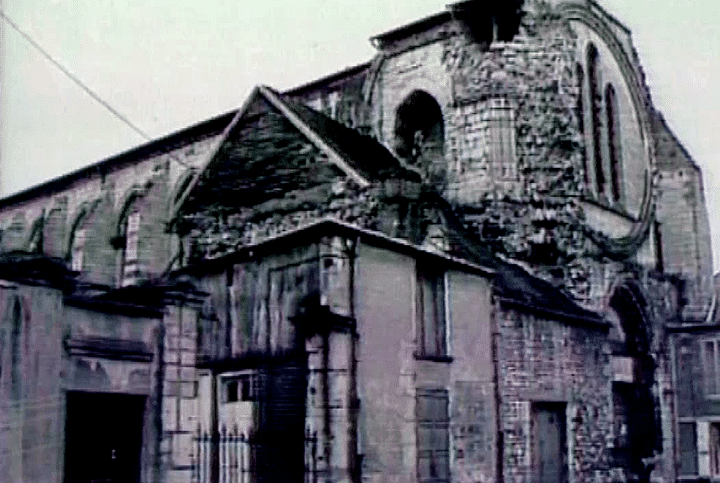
(711, 364)
(432, 334)
(240, 388)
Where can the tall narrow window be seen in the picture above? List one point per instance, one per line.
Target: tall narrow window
(35, 244)
(16, 352)
(688, 449)
(614, 143)
(433, 435)
(580, 113)
(131, 228)
(77, 244)
(659, 262)
(431, 319)
(714, 448)
(502, 140)
(596, 111)
(710, 365)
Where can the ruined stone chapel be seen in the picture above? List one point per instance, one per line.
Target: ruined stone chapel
(482, 257)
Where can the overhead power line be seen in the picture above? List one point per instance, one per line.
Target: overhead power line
(80, 83)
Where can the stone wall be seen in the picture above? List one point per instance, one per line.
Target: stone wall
(32, 403)
(390, 374)
(548, 361)
(685, 237)
(102, 195)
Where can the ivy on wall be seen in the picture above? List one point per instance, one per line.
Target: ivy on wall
(541, 223)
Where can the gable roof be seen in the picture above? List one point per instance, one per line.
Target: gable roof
(361, 158)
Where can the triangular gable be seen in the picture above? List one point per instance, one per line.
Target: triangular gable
(262, 100)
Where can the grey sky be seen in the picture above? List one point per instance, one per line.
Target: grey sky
(166, 64)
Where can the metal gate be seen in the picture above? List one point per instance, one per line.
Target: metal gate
(237, 456)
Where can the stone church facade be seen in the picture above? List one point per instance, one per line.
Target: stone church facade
(482, 256)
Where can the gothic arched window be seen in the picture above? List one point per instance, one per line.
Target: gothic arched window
(596, 116)
(580, 113)
(614, 147)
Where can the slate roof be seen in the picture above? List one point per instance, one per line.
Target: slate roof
(364, 153)
(362, 158)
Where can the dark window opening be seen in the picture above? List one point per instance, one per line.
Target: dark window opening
(614, 142)
(420, 130)
(711, 366)
(243, 387)
(657, 232)
(487, 22)
(15, 352)
(431, 314)
(596, 116)
(688, 449)
(580, 113)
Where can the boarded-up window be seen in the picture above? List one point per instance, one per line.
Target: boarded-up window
(688, 449)
(501, 136)
(433, 436)
(431, 313)
(711, 367)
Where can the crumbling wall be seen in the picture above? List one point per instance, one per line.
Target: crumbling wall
(536, 218)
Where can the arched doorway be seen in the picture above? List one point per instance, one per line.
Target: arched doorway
(636, 410)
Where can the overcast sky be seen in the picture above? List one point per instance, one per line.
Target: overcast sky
(167, 64)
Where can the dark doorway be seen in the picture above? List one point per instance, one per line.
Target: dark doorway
(549, 451)
(103, 437)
